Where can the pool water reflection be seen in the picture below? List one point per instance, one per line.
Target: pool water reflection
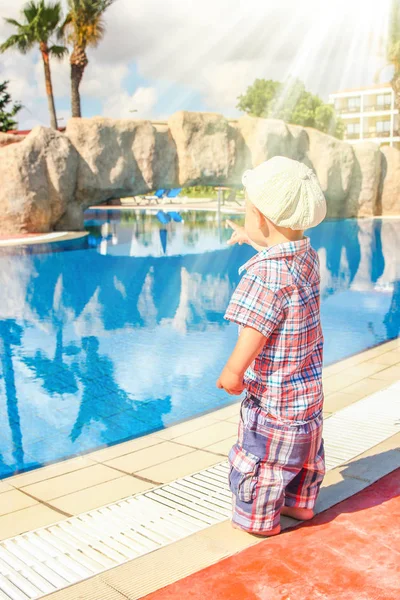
(126, 335)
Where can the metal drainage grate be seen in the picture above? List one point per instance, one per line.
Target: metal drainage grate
(40, 562)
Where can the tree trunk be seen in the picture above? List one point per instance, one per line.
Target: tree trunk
(49, 86)
(78, 61)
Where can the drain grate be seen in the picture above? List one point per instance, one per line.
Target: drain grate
(40, 562)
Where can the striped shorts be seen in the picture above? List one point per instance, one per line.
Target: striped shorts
(273, 464)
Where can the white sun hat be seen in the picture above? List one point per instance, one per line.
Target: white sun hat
(287, 192)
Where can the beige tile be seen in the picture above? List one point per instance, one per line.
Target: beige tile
(234, 420)
(394, 344)
(331, 385)
(4, 487)
(359, 358)
(100, 495)
(224, 446)
(390, 375)
(14, 500)
(179, 467)
(341, 380)
(337, 401)
(125, 448)
(209, 435)
(72, 482)
(61, 468)
(378, 350)
(332, 370)
(376, 462)
(148, 457)
(389, 358)
(27, 519)
(336, 487)
(227, 412)
(365, 388)
(175, 431)
(343, 365)
(366, 369)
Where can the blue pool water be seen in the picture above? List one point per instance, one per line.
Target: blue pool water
(122, 333)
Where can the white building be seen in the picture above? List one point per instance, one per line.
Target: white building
(369, 114)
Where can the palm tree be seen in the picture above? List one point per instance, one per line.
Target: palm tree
(40, 22)
(83, 27)
(393, 48)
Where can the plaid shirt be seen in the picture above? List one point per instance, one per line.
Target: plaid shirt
(279, 296)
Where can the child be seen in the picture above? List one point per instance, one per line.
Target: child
(277, 464)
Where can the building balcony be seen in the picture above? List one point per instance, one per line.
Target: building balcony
(380, 134)
(349, 109)
(352, 136)
(377, 107)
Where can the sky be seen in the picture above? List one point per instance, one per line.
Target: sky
(159, 57)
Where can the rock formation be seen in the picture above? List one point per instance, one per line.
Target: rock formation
(38, 180)
(10, 138)
(49, 178)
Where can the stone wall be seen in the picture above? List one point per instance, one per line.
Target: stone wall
(49, 178)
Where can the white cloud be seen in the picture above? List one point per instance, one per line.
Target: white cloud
(102, 80)
(216, 48)
(121, 105)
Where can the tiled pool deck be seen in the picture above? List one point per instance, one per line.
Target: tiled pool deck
(68, 488)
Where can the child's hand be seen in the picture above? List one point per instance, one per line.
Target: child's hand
(230, 382)
(239, 235)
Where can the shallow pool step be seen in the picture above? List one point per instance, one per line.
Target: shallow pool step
(40, 562)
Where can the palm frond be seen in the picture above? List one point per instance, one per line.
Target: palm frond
(86, 25)
(31, 11)
(58, 51)
(13, 22)
(19, 42)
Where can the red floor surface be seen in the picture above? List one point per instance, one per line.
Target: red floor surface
(349, 552)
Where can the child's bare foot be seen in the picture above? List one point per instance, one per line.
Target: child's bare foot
(301, 514)
(275, 531)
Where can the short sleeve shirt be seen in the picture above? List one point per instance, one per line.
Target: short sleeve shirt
(279, 296)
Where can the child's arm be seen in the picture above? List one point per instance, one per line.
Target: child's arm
(249, 345)
(239, 236)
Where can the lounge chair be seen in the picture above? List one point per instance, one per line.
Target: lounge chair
(174, 193)
(140, 200)
(156, 197)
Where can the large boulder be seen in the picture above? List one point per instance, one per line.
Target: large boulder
(265, 138)
(333, 163)
(363, 200)
(38, 179)
(390, 181)
(332, 160)
(205, 146)
(165, 159)
(117, 158)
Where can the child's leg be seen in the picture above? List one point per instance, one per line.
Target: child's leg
(258, 494)
(258, 475)
(302, 492)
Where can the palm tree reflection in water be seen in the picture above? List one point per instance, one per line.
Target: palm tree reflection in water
(161, 306)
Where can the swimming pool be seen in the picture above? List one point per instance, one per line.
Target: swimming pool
(122, 333)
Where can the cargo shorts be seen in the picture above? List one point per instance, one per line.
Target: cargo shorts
(273, 463)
